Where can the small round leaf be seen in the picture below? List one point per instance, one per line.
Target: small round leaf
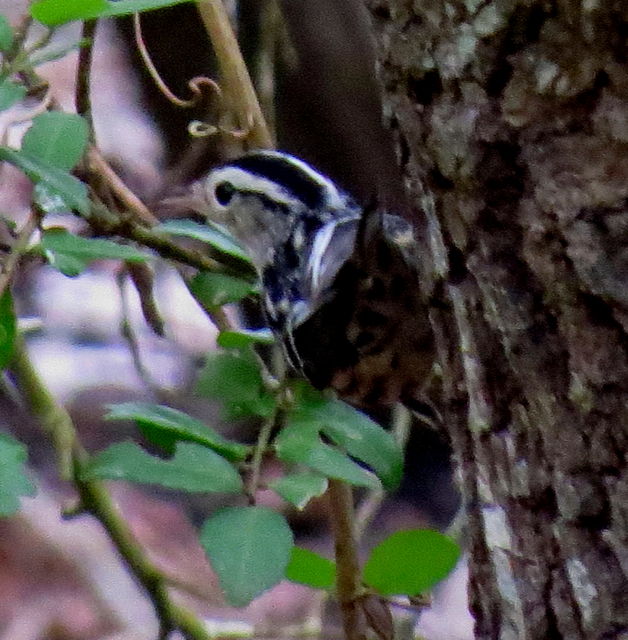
(249, 548)
(410, 562)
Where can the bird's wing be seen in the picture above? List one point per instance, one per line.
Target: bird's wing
(333, 246)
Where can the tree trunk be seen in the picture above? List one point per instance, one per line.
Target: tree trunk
(511, 120)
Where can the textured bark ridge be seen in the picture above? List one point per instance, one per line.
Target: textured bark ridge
(512, 127)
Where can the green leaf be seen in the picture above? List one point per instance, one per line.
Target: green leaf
(71, 254)
(13, 480)
(8, 328)
(211, 233)
(249, 548)
(193, 468)
(299, 488)
(57, 182)
(410, 562)
(244, 338)
(350, 429)
(307, 567)
(235, 380)
(56, 138)
(10, 93)
(6, 34)
(213, 290)
(166, 426)
(56, 12)
(302, 445)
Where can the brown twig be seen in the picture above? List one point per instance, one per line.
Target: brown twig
(20, 33)
(235, 81)
(271, 30)
(101, 169)
(126, 329)
(97, 166)
(83, 73)
(106, 223)
(143, 278)
(19, 246)
(348, 574)
(40, 43)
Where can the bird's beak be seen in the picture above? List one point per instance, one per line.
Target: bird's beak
(192, 201)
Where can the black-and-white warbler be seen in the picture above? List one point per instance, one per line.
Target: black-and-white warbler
(340, 283)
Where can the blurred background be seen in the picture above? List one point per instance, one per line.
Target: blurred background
(313, 65)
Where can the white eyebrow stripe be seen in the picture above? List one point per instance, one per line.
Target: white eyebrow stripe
(246, 181)
(335, 199)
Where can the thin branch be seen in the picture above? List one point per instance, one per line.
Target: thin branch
(234, 78)
(126, 329)
(348, 574)
(218, 317)
(83, 74)
(96, 165)
(101, 170)
(143, 279)
(42, 42)
(20, 245)
(168, 249)
(20, 33)
(105, 222)
(272, 31)
(261, 446)
(95, 499)
(54, 419)
(24, 116)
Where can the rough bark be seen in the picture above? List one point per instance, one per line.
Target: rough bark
(511, 120)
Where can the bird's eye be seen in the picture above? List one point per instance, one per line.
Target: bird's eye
(224, 193)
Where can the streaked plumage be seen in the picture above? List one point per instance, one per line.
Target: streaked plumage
(340, 284)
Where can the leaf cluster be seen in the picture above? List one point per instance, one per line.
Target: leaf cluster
(317, 437)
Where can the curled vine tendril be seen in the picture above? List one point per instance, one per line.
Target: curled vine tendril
(195, 84)
(196, 128)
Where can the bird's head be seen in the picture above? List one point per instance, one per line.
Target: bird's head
(261, 197)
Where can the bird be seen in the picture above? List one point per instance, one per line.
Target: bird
(340, 282)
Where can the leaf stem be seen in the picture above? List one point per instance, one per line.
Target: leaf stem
(263, 438)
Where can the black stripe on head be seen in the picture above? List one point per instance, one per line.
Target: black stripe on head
(286, 174)
(268, 203)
